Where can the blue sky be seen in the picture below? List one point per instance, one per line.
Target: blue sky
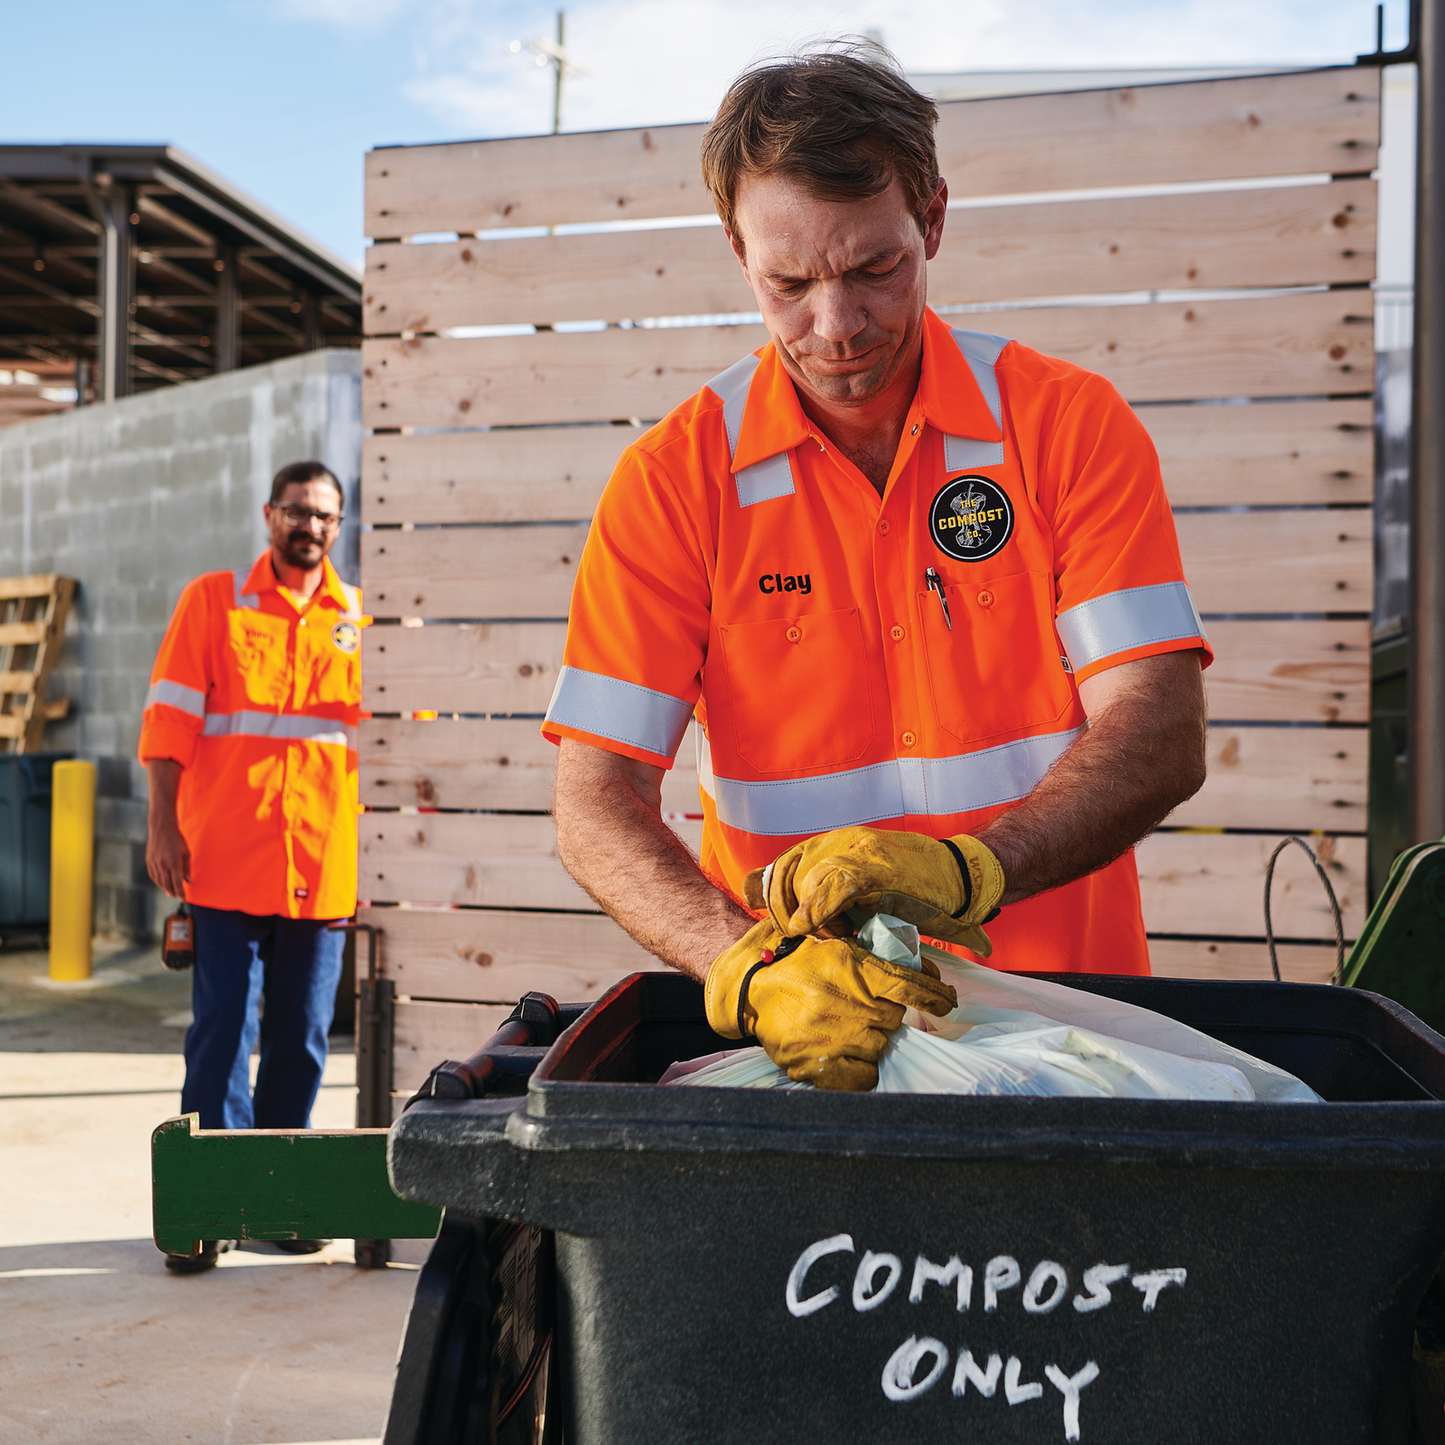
(284, 97)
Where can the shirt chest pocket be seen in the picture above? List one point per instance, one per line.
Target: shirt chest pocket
(258, 650)
(999, 670)
(798, 691)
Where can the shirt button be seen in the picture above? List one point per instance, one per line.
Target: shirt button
(303, 622)
(908, 740)
(985, 598)
(794, 634)
(896, 634)
(914, 432)
(883, 526)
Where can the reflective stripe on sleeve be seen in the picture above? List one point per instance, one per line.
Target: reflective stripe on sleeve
(284, 727)
(1120, 621)
(176, 695)
(244, 599)
(626, 712)
(920, 787)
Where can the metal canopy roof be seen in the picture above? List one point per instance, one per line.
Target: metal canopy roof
(131, 267)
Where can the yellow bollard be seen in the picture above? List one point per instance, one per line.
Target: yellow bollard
(72, 869)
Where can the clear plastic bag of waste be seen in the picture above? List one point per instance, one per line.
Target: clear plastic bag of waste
(1016, 1035)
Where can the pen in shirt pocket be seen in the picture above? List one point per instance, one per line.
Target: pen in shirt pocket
(935, 584)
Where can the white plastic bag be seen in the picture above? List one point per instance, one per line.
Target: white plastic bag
(1014, 1035)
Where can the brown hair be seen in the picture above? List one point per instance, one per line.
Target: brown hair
(842, 120)
(304, 472)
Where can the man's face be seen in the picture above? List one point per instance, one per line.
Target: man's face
(301, 538)
(841, 284)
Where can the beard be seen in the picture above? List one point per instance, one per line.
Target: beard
(303, 550)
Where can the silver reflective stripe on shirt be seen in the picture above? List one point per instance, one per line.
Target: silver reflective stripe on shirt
(177, 695)
(244, 599)
(770, 478)
(353, 601)
(283, 727)
(981, 351)
(919, 787)
(1134, 617)
(626, 712)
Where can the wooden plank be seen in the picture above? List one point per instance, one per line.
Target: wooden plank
(1259, 777)
(1288, 452)
(486, 955)
(1285, 452)
(1298, 344)
(1235, 959)
(1314, 121)
(472, 667)
(1291, 236)
(531, 475)
(16, 682)
(1294, 778)
(22, 634)
(12, 725)
(1289, 671)
(1276, 671)
(1277, 561)
(40, 585)
(507, 571)
(501, 763)
(1235, 562)
(476, 859)
(1212, 885)
(426, 1034)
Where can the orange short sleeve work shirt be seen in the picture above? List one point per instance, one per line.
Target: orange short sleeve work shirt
(258, 698)
(910, 661)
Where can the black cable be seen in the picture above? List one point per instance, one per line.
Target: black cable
(1334, 907)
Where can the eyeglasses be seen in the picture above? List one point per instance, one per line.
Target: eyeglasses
(304, 516)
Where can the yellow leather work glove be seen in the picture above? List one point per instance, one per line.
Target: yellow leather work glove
(822, 1008)
(945, 889)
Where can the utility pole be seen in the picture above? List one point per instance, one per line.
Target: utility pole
(555, 54)
(557, 68)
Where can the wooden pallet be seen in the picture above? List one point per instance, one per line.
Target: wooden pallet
(32, 625)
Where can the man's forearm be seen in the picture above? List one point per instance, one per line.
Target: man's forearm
(165, 782)
(1142, 755)
(611, 838)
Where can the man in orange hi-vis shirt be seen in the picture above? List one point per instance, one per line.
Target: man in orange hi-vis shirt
(249, 740)
(920, 587)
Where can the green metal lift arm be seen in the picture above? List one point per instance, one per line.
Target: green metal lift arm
(275, 1184)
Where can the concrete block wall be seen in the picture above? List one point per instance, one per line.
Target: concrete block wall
(134, 498)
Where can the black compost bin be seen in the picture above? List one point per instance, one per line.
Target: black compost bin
(25, 839)
(744, 1266)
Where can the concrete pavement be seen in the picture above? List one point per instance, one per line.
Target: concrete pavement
(97, 1340)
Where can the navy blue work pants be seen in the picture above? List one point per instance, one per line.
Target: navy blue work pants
(296, 964)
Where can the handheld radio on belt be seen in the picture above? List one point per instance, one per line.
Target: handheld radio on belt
(178, 952)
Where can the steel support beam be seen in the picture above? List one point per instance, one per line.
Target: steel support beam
(1427, 502)
(115, 285)
(226, 339)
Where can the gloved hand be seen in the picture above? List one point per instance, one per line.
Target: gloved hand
(822, 1008)
(916, 878)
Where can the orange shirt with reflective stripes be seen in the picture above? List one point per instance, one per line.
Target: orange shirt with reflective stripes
(257, 696)
(791, 609)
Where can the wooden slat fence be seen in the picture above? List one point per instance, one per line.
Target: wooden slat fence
(1238, 321)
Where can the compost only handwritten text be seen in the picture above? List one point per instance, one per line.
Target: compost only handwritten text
(918, 1364)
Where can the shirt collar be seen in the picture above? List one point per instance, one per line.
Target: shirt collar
(948, 395)
(262, 578)
(773, 418)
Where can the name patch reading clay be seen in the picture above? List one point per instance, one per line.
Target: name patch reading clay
(971, 519)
